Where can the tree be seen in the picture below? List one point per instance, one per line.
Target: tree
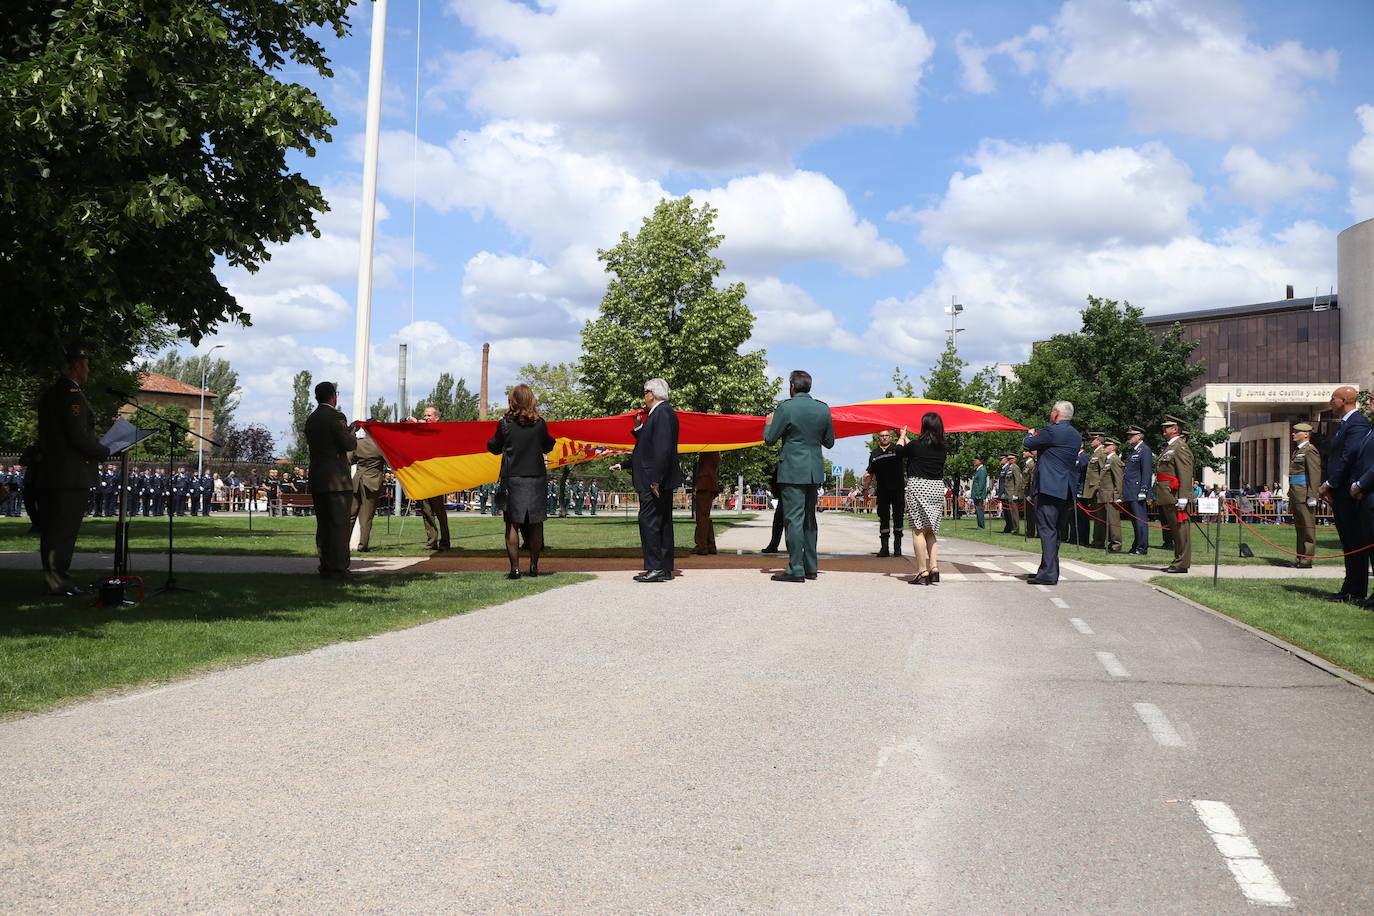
(381, 411)
(1116, 373)
(945, 382)
(451, 399)
(558, 390)
(142, 144)
(218, 377)
(251, 443)
(663, 316)
(302, 392)
(154, 448)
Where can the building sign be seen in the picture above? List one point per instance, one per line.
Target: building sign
(1309, 394)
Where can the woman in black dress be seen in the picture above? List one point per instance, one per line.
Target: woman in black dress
(522, 439)
(925, 492)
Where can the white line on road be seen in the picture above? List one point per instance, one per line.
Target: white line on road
(1059, 602)
(1158, 724)
(1084, 571)
(1081, 626)
(1028, 567)
(1256, 880)
(1112, 664)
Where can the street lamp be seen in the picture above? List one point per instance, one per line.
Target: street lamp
(204, 377)
(954, 309)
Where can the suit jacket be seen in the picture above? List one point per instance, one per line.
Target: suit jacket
(804, 426)
(1084, 459)
(1345, 449)
(66, 439)
(1057, 448)
(330, 440)
(1362, 472)
(980, 482)
(654, 459)
(1135, 483)
(371, 465)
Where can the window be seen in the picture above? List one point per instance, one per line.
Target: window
(1223, 369)
(1302, 335)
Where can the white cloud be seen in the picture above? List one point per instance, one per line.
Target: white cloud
(1181, 65)
(713, 84)
(973, 59)
(1024, 198)
(1362, 167)
(1260, 181)
(784, 313)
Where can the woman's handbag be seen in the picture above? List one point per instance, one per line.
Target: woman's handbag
(502, 492)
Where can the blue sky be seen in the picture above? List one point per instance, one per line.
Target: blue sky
(869, 160)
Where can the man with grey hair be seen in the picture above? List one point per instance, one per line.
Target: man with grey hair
(656, 473)
(1057, 449)
(804, 426)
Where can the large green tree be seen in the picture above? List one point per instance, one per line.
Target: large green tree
(143, 143)
(945, 381)
(218, 377)
(1117, 373)
(302, 403)
(452, 400)
(666, 316)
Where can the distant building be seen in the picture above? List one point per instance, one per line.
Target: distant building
(156, 390)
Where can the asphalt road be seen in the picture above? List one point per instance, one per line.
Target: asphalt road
(722, 743)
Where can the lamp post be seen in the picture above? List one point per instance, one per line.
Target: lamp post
(954, 309)
(200, 445)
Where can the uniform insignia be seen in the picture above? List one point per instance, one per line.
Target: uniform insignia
(76, 409)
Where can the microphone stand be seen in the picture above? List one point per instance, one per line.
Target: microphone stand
(172, 426)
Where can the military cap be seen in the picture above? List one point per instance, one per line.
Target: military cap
(1009, 455)
(1108, 440)
(1171, 420)
(1302, 427)
(1133, 430)
(75, 351)
(1093, 434)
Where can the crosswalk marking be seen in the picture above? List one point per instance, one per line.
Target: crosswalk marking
(1084, 571)
(970, 570)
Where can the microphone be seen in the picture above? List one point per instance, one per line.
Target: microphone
(121, 394)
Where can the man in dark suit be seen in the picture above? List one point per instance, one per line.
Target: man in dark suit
(656, 473)
(804, 426)
(367, 488)
(1135, 488)
(1055, 481)
(331, 485)
(66, 472)
(1343, 475)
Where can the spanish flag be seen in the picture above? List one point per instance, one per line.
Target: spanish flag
(435, 458)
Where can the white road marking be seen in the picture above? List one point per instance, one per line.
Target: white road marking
(1256, 880)
(1059, 602)
(1081, 626)
(1085, 571)
(1028, 567)
(986, 567)
(1160, 728)
(953, 576)
(1112, 664)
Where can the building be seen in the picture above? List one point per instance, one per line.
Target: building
(156, 390)
(1271, 364)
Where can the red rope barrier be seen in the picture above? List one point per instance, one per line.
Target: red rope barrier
(1330, 556)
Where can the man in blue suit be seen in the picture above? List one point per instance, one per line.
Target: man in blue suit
(1055, 485)
(1135, 487)
(1343, 475)
(656, 473)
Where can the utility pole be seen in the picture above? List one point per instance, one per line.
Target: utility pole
(954, 311)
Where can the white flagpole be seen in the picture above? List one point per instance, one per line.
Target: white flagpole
(363, 332)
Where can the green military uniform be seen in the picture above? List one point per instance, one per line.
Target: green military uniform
(1092, 481)
(1176, 461)
(1032, 531)
(1014, 485)
(1304, 476)
(368, 478)
(593, 496)
(63, 478)
(804, 426)
(1109, 492)
(979, 492)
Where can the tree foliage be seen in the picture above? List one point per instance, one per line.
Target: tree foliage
(251, 443)
(218, 377)
(452, 400)
(945, 382)
(1116, 373)
(154, 449)
(143, 142)
(381, 411)
(302, 399)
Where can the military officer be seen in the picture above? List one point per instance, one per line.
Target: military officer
(1028, 457)
(1092, 481)
(368, 477)
(593, 496)
(886, 470)
(1010, 485)
(181, 487)
(206, 486)
(1109, 491)
(578, 494)
(1135, 488)
(1173, 490)
(1304, 476)
(273, 488)
(68, 470)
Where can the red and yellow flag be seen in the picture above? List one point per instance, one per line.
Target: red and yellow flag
(434, 458)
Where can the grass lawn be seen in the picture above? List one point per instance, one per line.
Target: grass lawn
(58, 649)
(290, 536)
(1327, 544)
(1293, 610)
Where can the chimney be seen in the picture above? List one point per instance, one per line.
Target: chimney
(486, 354)
(1288, 294)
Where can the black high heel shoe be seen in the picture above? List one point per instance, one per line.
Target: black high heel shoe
(935, 577)
(921, 579)
(534, 570)
(513, 574)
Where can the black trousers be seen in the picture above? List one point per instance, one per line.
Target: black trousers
(59, 520)
(891, 508)
(1048, 510)
(332, 517)
(1354, 532)
(656, 530)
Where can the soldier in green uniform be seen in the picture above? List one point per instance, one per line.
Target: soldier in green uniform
(577, 496)
(1010, 489)
(1173, 490)
(66, 470)
(804, 426)
(1109, 491)
(1304, 476)
(593, 497)
(1092, 482)
(1031, 480)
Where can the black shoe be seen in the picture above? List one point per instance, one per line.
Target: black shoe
(513, 574)
(897, 551)
(1174, 569)
(71, 591)
(1113, 550)
(655, 575)
(770, 549)
(811, 575)
(787, 577)
(534, 571)
(1296, 565)
(364, 550)
(1342, 598)
(935, 577)
(883, 553)
(1036, 580)
(920, 579)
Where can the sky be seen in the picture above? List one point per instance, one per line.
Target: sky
(871, 161)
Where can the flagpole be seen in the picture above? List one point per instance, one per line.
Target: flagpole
(363, 331)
